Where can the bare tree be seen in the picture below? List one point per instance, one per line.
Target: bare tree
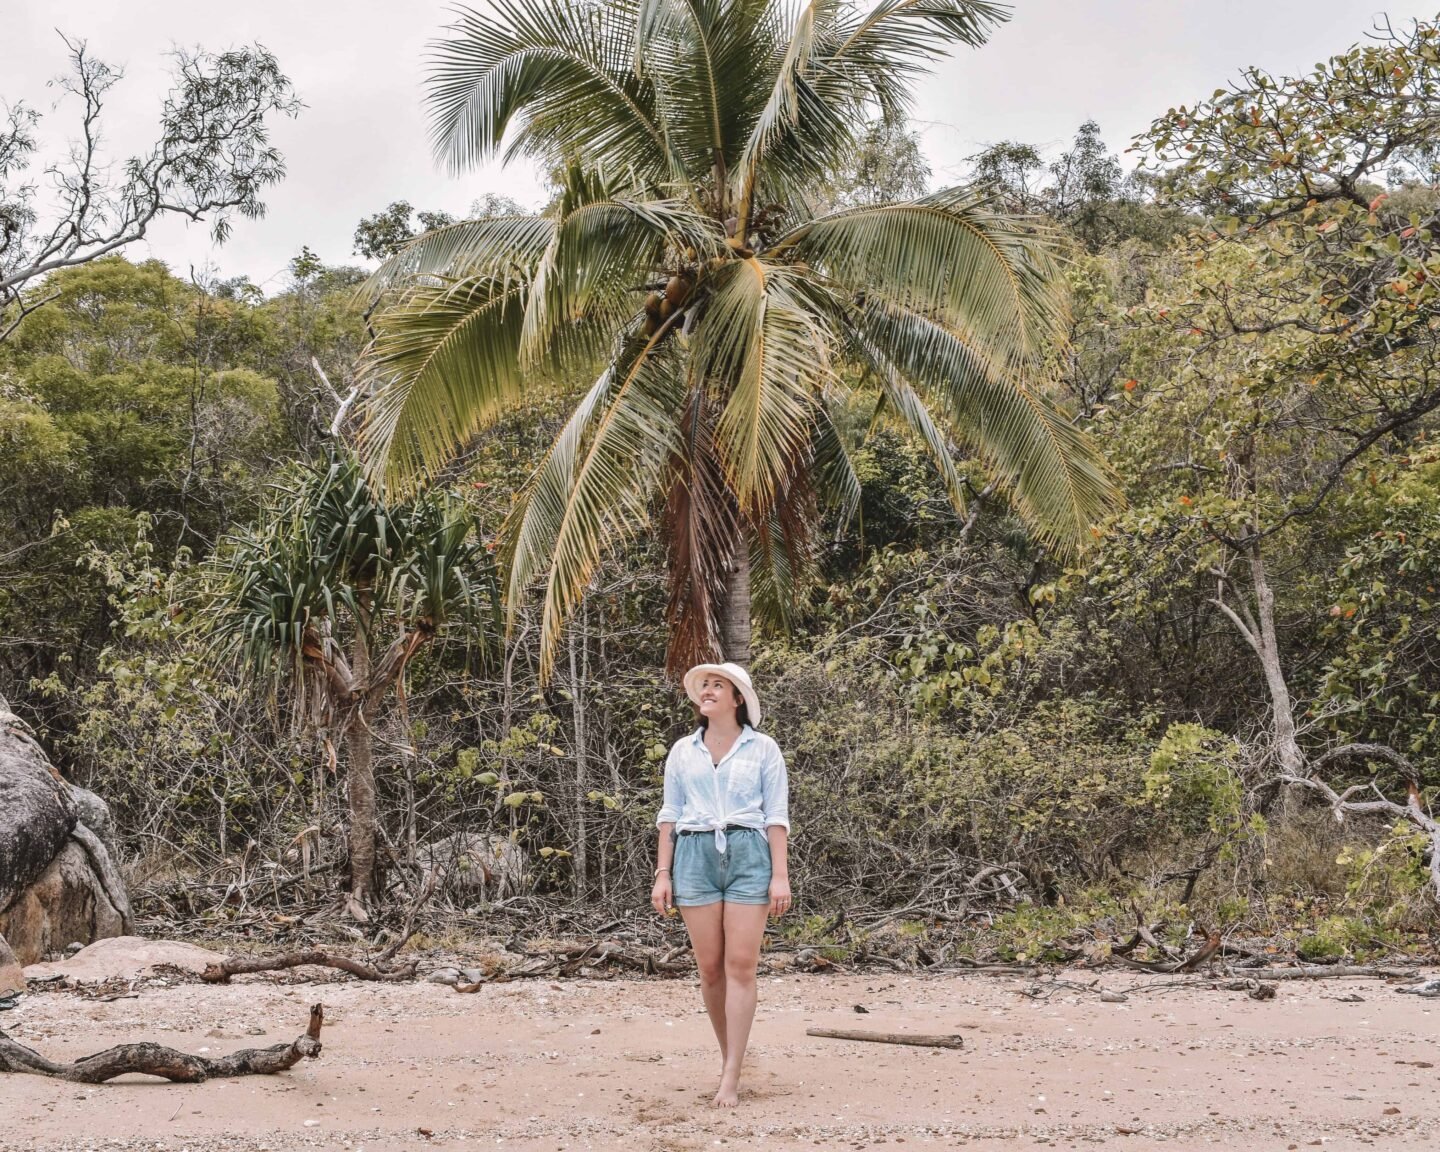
(212, 161)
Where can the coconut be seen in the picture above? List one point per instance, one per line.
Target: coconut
(676, 290)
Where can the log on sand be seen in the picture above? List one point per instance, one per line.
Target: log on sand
(240, 965)
(914, 1039)
(157, 1060)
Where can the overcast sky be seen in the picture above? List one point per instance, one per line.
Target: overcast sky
(358, 65)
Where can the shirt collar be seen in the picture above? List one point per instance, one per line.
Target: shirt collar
(747, 734)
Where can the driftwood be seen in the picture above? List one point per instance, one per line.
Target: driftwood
(157, 1060)
(569, 959)
(1320, 973)
(914, 1039)
(240, 965)
(1201, 956)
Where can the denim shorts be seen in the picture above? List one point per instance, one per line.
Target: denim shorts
(741, 875)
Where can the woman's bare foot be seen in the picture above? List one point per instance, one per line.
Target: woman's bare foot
(728, 1096)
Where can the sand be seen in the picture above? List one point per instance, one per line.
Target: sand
(630, 1064)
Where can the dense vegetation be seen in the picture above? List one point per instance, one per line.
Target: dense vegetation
(973, 719)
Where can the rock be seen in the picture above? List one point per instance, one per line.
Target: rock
(58, 878)
(124, 957)
(449, 976)
(12, 978)
(94, 813)
(66, 901)
(1114, 997)
(36, 815)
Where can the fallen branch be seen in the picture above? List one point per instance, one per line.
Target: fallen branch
(570, 959)
(1321, 973)
(156, 1060)
(1201, 956)
(239, 965)
(915, 1040)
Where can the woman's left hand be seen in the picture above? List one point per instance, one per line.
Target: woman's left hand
(779, 896)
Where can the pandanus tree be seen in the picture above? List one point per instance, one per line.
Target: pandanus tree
(335, 591)
(682, 270)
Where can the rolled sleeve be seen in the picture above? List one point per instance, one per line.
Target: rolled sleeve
(775, 790)
(672, 800)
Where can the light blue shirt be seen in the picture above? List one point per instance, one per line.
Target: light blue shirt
(748, 787)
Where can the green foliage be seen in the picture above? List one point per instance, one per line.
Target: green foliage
(1194, 780)
(330, 546)
(1381, 627)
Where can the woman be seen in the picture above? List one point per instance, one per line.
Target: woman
(724, 828)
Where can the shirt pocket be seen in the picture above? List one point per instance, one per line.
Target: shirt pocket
(745, 779)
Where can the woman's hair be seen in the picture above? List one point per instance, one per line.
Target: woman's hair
(742, 711)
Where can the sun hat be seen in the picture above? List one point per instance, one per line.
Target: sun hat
(736, 675)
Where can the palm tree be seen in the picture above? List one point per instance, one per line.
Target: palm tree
(681, 262)
(338, 590)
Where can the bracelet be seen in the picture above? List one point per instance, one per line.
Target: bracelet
(659, 870)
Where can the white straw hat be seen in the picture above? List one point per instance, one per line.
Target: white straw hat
(736, 675)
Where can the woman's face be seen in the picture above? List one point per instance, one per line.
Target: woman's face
(717, 697)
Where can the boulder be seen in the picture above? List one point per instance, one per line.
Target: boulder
(125, 958)
(12, 979)
(58, 877)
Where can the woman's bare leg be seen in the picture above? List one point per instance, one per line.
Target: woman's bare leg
(744, 931)
(707, 940)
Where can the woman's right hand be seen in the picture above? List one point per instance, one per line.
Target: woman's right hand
(662, 897)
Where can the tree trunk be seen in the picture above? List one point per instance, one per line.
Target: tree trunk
(360, 786)
(360, 778)
(1287, 747)
(735, 611)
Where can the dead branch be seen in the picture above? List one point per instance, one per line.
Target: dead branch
(1411, 811)
(1328, 971)
(157, 1060)
(915, 1040)
(569, 959)
(240, 965)
(1201, 956)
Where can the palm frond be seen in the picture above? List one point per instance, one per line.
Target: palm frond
(881, 52)
(443, 365)
(556, 77)
(782, 557)
(910, 409)
(794, 114)
(1053, 472)
(606, 245)
(496, 246)
(833, 472)
(592, 491)
(948, 256)
(708, 62)
(761, 344)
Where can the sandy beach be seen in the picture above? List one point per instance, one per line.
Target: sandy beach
(1335, 1064)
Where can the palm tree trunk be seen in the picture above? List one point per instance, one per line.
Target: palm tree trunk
(735, 611)
(582, 767)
